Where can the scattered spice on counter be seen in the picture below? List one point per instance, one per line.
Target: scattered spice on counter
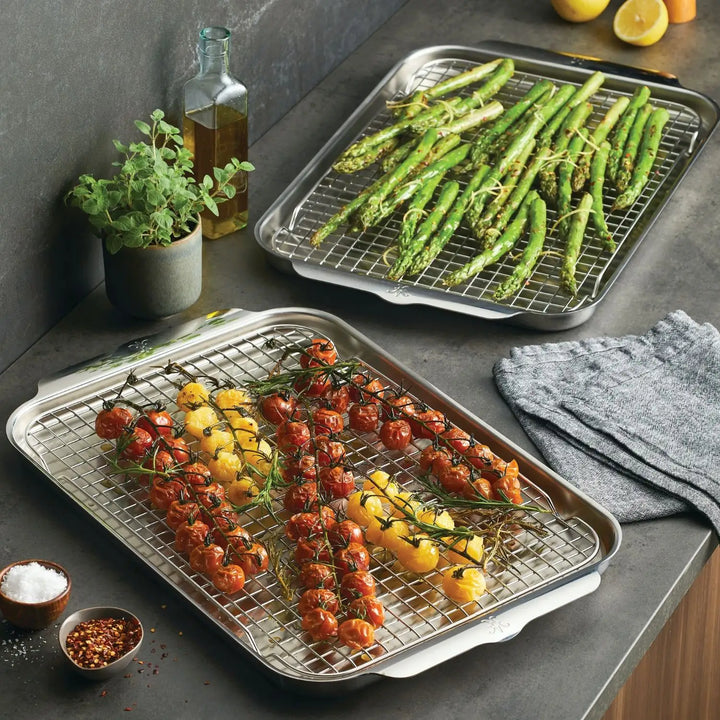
(33, 583)
(18, 646)
(95, 643)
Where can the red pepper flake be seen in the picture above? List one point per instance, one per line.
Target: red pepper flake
(96, 643)
(103, 693)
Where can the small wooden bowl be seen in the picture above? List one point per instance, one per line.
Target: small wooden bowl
(34, 616)
(96, 613)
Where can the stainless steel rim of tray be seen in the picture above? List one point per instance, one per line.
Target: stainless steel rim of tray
(55, 431)
(360, 260)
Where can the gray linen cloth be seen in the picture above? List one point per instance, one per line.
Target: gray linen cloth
(632, 421)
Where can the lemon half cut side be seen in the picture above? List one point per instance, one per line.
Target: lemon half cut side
(641, 22)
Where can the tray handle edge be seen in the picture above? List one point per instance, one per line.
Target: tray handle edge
(497, 628)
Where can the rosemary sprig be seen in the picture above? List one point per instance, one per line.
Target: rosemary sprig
(273, 481)
(338, 373)
(478, 503)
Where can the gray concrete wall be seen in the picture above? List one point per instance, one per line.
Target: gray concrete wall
(76, 73)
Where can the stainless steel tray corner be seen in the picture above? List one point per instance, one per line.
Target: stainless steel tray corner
(55, 432)
(358, 260)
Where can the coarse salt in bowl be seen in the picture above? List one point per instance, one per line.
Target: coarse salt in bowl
(33, 593)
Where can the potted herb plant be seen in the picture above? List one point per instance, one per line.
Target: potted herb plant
(148, 218)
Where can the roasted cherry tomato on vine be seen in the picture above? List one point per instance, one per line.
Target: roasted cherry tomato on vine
(190, 533)
(135, 445)
(211, 495)
(463, 584)
(456, 439)
(454, 476)
(196, 474)
(160, 461)
(364, 417)
(252, 560)
(328, 451)
(229, 578)
(337, 398)
(165, 490)
(320, 350)
(317, 575)
(206, 559)
(321, 624)
(507, 488)
(278, 407)
(310, 524)
(418, 554)
(363, 507)
(480, 456)
(398, 406)
(351, 558)
(363, 389)
(301, 468)
(224, 530)
(178, 448)
(301, 498)
(429, 455)
(218, 512)
(357, 583)
(396, 434)
(318, 597)
(441, 461)
(344, 533)
(461, 551)
(477, 488)
(327, 421)
(236, 537)
(110, 423)
(428, 423)
(356, 634)
(369, 608)
(292, 436)
(179, 511)
(156, 422)
(192, 395)
(337, 482)
(313, 386)
(315, 550)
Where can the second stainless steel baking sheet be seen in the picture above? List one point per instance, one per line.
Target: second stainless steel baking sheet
(360, 260)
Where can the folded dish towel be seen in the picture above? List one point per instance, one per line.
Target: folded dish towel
(632, 421)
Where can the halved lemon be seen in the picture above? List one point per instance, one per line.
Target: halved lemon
(579, 10)
(641, 22)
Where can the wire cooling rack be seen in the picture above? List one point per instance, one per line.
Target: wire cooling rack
(57, 433)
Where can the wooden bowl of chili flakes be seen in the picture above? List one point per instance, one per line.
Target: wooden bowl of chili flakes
(100, 642)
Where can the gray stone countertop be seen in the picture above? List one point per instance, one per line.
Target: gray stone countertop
(566, 666)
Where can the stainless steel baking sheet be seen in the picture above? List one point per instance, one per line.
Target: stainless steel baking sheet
(360, 260)
(55, 432)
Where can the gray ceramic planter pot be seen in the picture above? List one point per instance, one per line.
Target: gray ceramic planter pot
(155, 282)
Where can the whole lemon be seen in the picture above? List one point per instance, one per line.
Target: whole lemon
(579, 10)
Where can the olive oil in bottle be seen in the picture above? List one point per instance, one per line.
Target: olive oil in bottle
(215, 127)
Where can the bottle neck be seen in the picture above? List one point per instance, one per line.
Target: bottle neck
(214, 51)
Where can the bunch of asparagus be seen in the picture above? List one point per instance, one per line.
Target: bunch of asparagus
(519, 160)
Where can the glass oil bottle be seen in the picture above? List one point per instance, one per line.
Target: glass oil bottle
(215, 127)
